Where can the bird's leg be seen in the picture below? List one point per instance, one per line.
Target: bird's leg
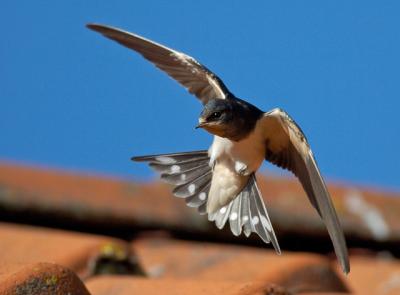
(212, 164)
(241, 168)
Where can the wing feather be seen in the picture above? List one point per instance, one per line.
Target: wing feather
(287, 147)
(195, 77)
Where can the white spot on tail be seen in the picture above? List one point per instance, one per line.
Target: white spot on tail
(266, 223)
(255, 220)
(192, 188)
(202, 196)
(222, 210)
(233, 216)
(175, 169)
(165, 160)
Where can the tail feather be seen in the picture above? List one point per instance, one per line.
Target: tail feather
(248, 228)
(199, 199)
(247, 211)
(221, 216)
(182, 166)
(173, 157)
(191, 174)
(202, 209)
(235, 217)
(179, 177)
(193, 187)
(264, 225)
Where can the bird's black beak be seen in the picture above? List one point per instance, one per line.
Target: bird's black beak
(202, 123)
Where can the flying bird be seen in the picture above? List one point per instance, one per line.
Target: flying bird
(221, 181)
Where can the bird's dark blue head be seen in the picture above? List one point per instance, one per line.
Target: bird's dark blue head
(216, 111)
(230, 118)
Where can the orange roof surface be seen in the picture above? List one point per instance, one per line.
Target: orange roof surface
(65, 233)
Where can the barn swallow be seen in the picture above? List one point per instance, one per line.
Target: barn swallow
(221, 181)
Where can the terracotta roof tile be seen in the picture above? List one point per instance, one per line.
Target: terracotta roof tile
(115, 204)
(169, 258)
(125, 209)
(95, 200)
(374, 275)
(80, 252)
(124, 285)
(39, 279)
(365, 213)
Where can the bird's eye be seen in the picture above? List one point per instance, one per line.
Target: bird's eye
(216, 115)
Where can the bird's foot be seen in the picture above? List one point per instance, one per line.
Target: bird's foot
(212, 164)
(241, 168)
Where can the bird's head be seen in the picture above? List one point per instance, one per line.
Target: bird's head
(216, 117)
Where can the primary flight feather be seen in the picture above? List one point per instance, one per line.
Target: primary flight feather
(221, 181)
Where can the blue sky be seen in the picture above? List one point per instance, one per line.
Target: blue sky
(74, 100)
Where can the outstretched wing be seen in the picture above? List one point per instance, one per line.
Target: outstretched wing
(287, 147)
(196, 78)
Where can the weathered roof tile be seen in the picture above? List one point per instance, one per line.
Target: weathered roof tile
(374, 275)
(126, 209)
(167, 258)
(118, 285)
(80, 252)
(109, 203)
(39, 279)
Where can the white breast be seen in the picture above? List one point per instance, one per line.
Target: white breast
(249, 151)
(228, 158)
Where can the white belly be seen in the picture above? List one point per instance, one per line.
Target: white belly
(233, 163)
(249, 151)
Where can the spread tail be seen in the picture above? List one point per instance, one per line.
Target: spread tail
(191, 174)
